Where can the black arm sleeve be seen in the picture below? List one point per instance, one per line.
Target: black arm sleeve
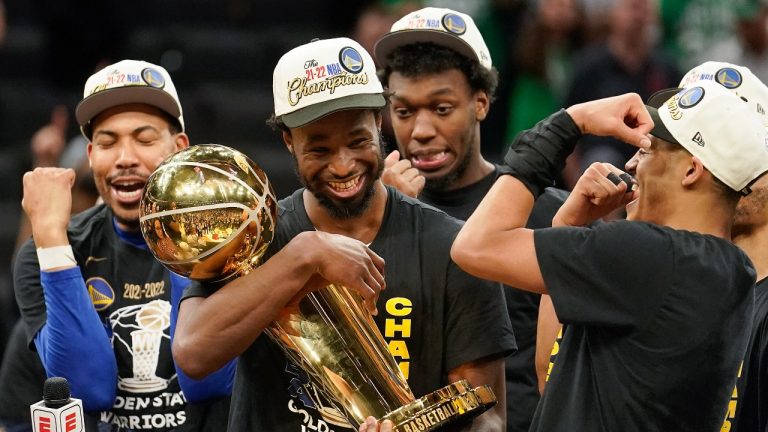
(537, 155)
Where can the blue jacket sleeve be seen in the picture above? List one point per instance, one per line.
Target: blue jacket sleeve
(215, 385)
(74, 343)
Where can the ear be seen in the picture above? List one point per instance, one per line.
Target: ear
(288, 140)
(89, 149)
(181, 140)
(379, 118)
(482, 105)
(694, 172)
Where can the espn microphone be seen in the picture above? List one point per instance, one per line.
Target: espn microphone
(57, 412)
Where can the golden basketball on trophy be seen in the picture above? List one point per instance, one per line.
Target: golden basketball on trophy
(209, 213)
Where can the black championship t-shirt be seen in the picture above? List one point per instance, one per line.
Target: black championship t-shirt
(657, 322)
(522, 306)
(749, 401)
(131, 292)
(433, 316)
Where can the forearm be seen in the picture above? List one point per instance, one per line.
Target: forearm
(214, 330)
(73, 343)
(213, 386)
(546, 334)
(485, 372)
(493, 244)
(538, 155)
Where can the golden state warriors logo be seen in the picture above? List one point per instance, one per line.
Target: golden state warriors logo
(102, 294)
(454, 24)
(729, 78)
(691, 97)
(153, 78)
(351, 60)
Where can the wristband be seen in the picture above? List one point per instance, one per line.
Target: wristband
(57, 256)
(537, 155)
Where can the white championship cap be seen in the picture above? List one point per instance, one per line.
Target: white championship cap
(440, 26)
(322, 77)
(738, 79)
(717, 127)
(127, 81)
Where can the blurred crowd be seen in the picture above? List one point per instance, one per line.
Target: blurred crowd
(550, 54)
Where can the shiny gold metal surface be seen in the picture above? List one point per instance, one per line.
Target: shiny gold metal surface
(209, 213)
(331, 336)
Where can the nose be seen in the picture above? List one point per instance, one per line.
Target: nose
(631, 165)
(342, 163)
(423, 129)
(127, 156)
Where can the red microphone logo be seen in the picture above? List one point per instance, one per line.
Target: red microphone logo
(57, 412)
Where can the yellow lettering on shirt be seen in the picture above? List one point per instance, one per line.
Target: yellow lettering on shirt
(730, 414)
(399, 328)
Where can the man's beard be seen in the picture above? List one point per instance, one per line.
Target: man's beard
(132, 223)
(749, 213)
(345, 210)
(350, 210)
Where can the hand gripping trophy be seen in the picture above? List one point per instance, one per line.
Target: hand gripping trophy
(209, 213)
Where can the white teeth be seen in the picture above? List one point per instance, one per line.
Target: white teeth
(345, 185)
(128, 195)
(430, 156)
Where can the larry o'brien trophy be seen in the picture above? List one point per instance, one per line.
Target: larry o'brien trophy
(209, 213)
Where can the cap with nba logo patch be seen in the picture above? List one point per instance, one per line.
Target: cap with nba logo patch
(738, 79)
(128, 81)
(444, 27)
(718, 128)
(324, 76)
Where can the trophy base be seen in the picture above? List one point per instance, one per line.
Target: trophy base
(457, 401)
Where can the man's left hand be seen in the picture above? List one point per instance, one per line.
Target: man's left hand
(402, 175)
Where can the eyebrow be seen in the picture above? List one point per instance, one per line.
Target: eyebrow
(439, 92)
(358, 131)
(320, 137)
(136, 131)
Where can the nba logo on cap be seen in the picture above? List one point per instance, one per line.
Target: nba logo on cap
(730, 78)
(351, 60)
(153, 78)
(454, 23)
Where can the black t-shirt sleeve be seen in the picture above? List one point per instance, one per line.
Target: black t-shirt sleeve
(614, 274)
(198, 289)
(545, 208)
(29, 291)
(477, 322)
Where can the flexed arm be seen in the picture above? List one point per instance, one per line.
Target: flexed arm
(484, 245)
(72, 342)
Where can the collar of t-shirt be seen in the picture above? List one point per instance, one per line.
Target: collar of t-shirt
(460, 197)
(134, 238)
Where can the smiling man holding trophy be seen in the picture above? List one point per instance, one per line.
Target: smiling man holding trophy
(446, 332)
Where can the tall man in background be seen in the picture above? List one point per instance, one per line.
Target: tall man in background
(439, 72)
